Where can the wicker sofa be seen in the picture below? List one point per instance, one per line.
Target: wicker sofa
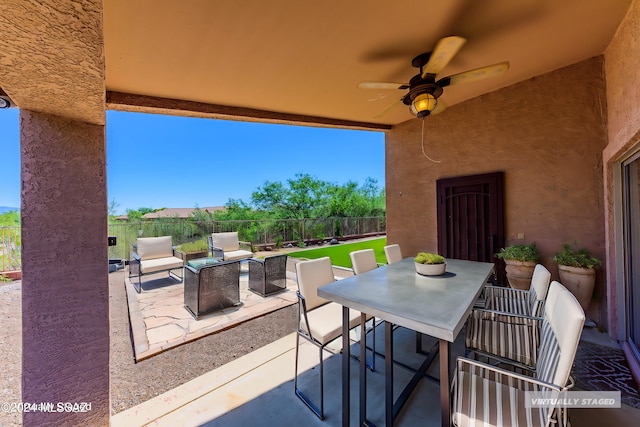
(227, 247)
(153, 255)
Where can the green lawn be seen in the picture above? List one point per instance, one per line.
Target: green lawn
(339, 254)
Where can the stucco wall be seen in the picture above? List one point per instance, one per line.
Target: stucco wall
(65, 302)
(622, 66)
(547, 135)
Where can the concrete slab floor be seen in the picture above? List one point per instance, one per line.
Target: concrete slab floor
(257, 389)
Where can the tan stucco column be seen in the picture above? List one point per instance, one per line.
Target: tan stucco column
(65, 303)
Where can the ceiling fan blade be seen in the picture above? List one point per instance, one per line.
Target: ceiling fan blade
(387, 109)
(443, 53)
(474, 75)
(440, 107)
(383, 85)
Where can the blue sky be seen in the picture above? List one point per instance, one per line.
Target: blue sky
(164, 161)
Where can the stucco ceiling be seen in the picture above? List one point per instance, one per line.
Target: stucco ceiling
(306, 58)
(280, 60)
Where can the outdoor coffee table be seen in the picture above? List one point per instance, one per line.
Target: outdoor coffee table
(199, 262)
(211, 286)
(433, 305)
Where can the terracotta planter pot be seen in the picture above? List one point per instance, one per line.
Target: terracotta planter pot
(430, 269)
(519, 273)
(580, 282)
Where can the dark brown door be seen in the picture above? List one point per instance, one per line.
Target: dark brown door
(470, 217)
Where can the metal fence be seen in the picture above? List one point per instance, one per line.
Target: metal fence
(260, 233)
(10, 248)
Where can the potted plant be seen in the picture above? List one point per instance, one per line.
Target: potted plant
(577, 270)
(192, 250)
(429, 264)
(521, 261)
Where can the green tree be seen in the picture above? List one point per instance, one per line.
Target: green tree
(302, 197)
(10, 219)
(111, 212)
(136, 214)
(236, 209)
(201, 215)
(308, 197)
(272, 197)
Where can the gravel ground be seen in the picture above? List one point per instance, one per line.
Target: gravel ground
(10, 350)
(133, 383)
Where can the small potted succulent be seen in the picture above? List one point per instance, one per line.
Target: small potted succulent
(577, 270)
(520, 262)
(430, 264)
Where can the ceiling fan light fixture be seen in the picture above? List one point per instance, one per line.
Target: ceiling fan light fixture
(423, 104)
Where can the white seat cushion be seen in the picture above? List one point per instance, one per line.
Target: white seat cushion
(236, 255)
(484, 402)
(160, 264)
(326, 322)
(154, 247)
(226, 241)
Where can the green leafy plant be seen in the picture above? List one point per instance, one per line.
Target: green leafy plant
(520, 253)
(196, 246)
(573, 257)
(429, 258)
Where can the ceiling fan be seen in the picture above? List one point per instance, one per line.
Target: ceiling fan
(424, 89)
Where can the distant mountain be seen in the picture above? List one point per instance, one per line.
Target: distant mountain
(4, 209)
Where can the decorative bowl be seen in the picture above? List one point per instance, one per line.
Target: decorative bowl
(431, 269)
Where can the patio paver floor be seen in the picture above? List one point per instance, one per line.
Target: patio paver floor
(160, 321)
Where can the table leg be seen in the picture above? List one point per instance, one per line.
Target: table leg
(388, 373)
(445, 391)
(363, 369)
(346, 371)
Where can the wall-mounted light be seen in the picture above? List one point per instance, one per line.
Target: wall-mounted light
(5, 102)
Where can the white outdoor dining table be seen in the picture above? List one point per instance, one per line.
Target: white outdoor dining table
(434, 305)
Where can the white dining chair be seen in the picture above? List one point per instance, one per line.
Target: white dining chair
(319, 320)
(363, 260)
(393, 253)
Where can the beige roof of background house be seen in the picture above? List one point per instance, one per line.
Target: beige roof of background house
(179, 212)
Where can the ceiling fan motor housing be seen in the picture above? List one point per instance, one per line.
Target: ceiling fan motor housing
(418, 86)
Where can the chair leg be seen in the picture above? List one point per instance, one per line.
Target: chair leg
(139, 287)
(319, 412)
(171, 272)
